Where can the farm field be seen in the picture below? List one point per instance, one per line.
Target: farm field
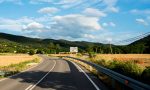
(8, 59)
(141, 59)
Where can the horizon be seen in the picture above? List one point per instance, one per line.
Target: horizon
(136, 39)
(76, 20)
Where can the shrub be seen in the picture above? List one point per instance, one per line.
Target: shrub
(92, 55)
(79, 55)
(39, 52)
(132, 69)
(128, 68)
(146, 75)
(31, 52)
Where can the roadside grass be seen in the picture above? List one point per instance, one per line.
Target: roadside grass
(128, 68)
(7, 59)
(16, 68)
(137, 68)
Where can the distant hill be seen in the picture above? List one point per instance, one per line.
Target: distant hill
(18, 39)
(26, 43)
(27, 40)
(143, 42)
(42, 43)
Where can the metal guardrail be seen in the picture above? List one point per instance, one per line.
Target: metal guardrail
(134, 84)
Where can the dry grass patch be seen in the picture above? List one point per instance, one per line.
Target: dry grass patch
(6, 60)
(141, 59)
(14, 63)
(61, 55)
(136, 66)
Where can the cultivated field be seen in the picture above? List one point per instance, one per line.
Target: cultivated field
(142, 59)
(8, 59)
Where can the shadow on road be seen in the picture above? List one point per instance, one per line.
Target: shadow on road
(69, 80)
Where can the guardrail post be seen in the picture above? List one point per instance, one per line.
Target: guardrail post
(113, 83)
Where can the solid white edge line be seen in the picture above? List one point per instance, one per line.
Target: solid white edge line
(96, 87)
(22, 71)
(41, 78)
(28, 87)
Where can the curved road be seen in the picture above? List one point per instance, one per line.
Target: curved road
(53, 74)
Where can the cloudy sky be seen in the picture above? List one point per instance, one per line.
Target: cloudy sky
(82, 20)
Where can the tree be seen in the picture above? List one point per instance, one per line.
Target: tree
(89, 48)
(95, 48)
(51, 45)
(57, 47)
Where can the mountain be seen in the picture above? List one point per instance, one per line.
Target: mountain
(144, 42)
(18, 39)
(41, 43)
(27, 40)
(10, 43)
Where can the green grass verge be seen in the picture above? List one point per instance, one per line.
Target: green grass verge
(128, 68)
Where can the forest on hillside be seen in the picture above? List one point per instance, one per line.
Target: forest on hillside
(19, 44)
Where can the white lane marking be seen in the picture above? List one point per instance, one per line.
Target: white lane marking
(41, 78)
(21, 71)
(96, 87)
(28, 87)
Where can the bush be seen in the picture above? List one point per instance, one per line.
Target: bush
(128, 68)
(132, 69)
(79, 55)
(92, 55)
(39, 52)
(146, 75)
(31, 52)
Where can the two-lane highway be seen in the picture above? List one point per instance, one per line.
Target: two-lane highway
(52, 74)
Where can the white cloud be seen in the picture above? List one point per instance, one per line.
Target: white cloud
(148, 17)
(33, 26)
(94, 12)
(19, 2)
(112, 24)
(141, 21)
(48, 10)
(56, 2)
(113, 9)
(40, 1)
(9, 24)
(111, 6)
(19, 24)
(110, 3)
(105, 24)
(73, 26)
(89, 36)
(67, 4)
(11, 27)
(109, 39)
(79, 20)
(67, 1)
(136, 11)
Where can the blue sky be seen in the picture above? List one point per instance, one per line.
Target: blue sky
(84, 20)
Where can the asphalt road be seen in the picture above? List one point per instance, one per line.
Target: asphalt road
(53, 74)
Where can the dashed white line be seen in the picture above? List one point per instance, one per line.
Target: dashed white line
(96, 87)
(31, 87)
